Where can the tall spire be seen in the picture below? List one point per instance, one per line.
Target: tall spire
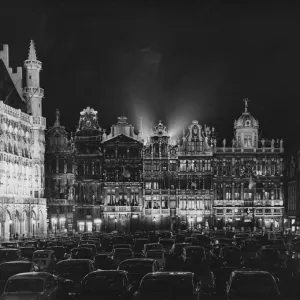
(57, 122)
(246, 100)
(32, 52)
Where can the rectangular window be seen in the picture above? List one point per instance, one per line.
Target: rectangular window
(148, 166)
(156, 166)
(148, 185)
(182, 165)
(173, 165)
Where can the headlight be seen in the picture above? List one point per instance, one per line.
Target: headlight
(298, 255)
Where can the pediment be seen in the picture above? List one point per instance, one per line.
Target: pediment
(122, 139)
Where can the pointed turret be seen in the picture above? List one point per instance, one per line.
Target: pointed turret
(32, 52)
(32, 92)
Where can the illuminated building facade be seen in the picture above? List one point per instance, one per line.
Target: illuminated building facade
(293, 193)
(248, 178)
(120, 181)
(22, 147)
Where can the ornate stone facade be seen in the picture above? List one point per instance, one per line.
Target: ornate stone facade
(123, 182)
(22, 206)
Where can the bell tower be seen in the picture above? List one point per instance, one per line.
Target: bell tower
(32, 93)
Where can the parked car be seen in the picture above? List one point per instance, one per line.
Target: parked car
(191, 252)
(36, 285)
(10, 254)
(177, 249)
(13, 245)
(137, 268)
(45, 259)
(75, 270)
(106, 284)
(59, 252)
(167, 244)
(152, 246)
(27, 252)
(248, 284)
(119, 255)
(158, 255)
(168, 285)
(82, 253)
(11, 268)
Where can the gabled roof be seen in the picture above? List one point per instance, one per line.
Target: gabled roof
(122, 137)
(8, 90)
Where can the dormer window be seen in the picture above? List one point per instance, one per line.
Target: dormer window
(247, 123)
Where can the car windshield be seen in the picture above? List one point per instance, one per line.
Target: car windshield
(142, 268)
(8, 270)
(252, 284)
(71, 268)
(11, 255)
(25, 285)
(176, 285)
(154, 254)
(167, 242)
(81, 252)
(104, 283)
(269, 254)
(41, 255)
(195, 251)
(154, 246)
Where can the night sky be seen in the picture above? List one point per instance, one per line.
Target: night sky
(164, 60)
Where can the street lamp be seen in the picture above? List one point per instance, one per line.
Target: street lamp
(54, 221)
(115, 223)
(154, 224)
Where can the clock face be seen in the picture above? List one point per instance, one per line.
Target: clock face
(88, 123)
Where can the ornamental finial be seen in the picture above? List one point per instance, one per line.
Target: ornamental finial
(32, 52)
(57, 115)
(246, 100)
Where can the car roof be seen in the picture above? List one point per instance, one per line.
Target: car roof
(131, 260)
(43, 275)
(9, 249)
(169, 274)
(14, 262)
(73, 261)
(43, 251)
(249, 271)
(107, 272)
(194, 247)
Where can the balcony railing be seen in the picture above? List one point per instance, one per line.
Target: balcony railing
(122, 208)
(158, 211)
(54, 202)
(248, 203)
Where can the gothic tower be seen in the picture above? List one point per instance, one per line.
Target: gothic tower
(33, 95)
